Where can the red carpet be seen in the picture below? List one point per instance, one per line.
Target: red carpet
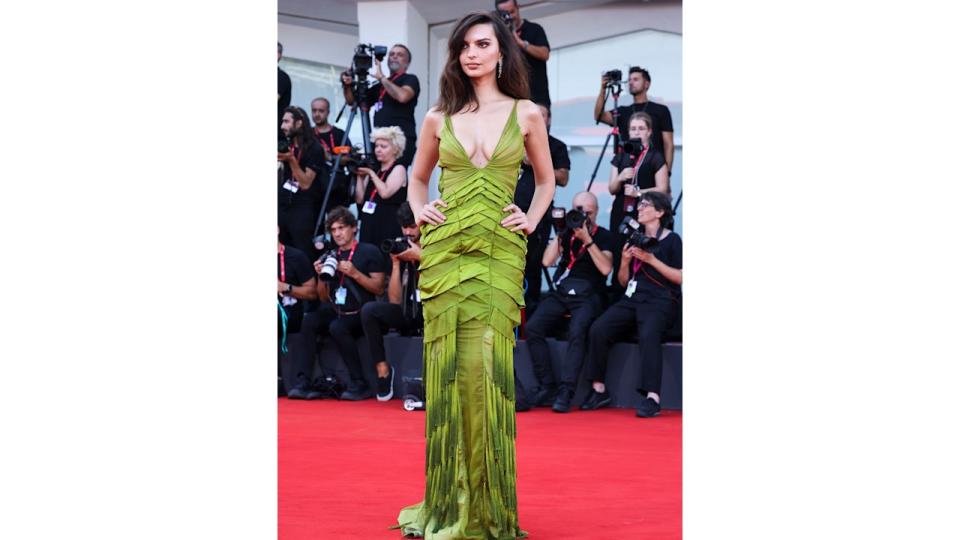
(346, 469)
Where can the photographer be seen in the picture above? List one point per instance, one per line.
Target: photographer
(523, 196)
(300, 190)
(402, 311)
(651, 276)
(638, 84)
(636, 171)
(536, 49)
(329, 137)
(358, 279)
(296, 283)
(380, 193)
(393, 98)
(585, 262)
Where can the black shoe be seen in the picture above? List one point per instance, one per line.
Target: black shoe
(385, 386)
(595, 400)
(356, 392)
(545, 396)
(299, 391)
(313, 394)
(562, 403)
(648, 408)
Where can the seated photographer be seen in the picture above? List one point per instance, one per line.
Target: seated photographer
(330, 136)
(350, 276)
(403, 310)
(650, 271)
(296, 283)
(380, 193)
(302, 182)
(393, 99)
(585, 262)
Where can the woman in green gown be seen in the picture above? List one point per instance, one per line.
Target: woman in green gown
(471, 280)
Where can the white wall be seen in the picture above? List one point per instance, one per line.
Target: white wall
(315, 45)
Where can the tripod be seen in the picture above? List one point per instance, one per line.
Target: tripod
(613, 89)
(359, 103)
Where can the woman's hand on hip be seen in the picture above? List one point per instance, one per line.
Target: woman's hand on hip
(430, 215)
(517, 220)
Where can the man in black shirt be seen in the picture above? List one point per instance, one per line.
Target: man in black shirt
(296, 283)
(638, 84)
(393, 99)
(533, 42)
(523, 196)
(358, 279)
(330, 136)
(586, 259)
(284, 87)
(402, 310)
(301, 184)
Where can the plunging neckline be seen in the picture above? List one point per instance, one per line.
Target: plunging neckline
(496, 148)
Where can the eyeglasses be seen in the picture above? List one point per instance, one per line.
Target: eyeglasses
(645, 204)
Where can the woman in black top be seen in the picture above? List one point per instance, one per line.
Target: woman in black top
(628, 180)
(380, 193)
(651, 278)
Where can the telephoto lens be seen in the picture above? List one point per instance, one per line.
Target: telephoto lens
(394, 246)
(283, 145)
(328, 267)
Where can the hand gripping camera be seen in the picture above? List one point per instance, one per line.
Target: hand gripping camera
(567, 219)
(636, 237)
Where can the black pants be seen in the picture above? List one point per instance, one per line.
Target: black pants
(344, 329)
(379, 317)
(533, 272)
(583, 309)
(649, 319)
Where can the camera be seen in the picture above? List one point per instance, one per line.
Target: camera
(355, 159)
(506, 18)
(320, 242)
(283, 145)
(575, 218)
(363, 58)
(328, 266)
(394, 246)
(636, 237)
(614, 76)
(633, 147)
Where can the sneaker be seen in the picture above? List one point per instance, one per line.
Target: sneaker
(595, 400)
(562, 403)
(385, 386)
(299, 391)
(356, 392)
(648, 408)
(545, 396)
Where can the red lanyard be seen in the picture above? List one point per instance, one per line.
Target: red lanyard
(323, 142)
(573, 258)
(636, 164)
(349, 258)
(374, 193)
(383, 89)
(283, 269)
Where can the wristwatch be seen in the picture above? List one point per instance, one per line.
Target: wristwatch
(289, 288)
(525, 44)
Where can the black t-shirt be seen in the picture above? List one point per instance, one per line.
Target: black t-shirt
(583, 266)
(331, 138)
(311, 158)
(284, 88)
(645, 176)
(367, 259)
(651, 285)
(296, 270)
(409, 282)
(523, 195)
(394, 113)
(537, 69)
(662, 121)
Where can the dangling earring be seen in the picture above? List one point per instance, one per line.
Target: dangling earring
(499, 68)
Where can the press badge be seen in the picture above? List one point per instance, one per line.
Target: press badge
(369, 207)
(377, 106)
(631, 288)
(416, 295)
(291, 185)
(340, 296)
(288, 301)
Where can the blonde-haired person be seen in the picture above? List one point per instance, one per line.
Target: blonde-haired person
(379, 193)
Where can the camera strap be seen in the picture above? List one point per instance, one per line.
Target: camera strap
(636, 264)
(574, 257)
(349, 257)
(383, 175)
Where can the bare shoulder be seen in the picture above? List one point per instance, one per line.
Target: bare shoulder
(432, 122)
(528, 116)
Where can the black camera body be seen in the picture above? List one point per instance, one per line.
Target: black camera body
(614, 76)
(394, 246)
(283, 145)
(633, 147)
(506, 18)
(363, 57)
(356, 159)
(636, 237)
(567, 219)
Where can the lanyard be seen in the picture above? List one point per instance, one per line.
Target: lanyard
(323, 142)
(637, 263)
(283, 269)
(383, 88)
(349, 258)
(636, 164)
(374, 193)
(573, 258)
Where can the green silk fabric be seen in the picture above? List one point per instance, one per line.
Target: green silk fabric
(471, 284)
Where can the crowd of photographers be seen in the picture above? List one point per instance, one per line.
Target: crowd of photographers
(349, 275)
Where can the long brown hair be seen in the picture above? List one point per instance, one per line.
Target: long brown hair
(456, 90)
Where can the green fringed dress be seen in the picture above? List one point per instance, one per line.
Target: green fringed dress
(471, 277)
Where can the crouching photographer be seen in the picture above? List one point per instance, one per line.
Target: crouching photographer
(651, 273)
(350, 276)
(584, 251)
(403, 310)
